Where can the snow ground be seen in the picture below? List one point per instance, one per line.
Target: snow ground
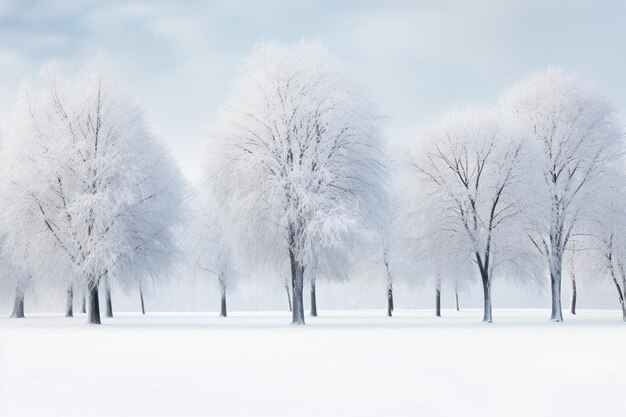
(355, 363)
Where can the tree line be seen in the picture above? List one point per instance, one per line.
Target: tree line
(302, 184)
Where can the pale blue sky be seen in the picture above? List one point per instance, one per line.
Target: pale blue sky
(418, 58)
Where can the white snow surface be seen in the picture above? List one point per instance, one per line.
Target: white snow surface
(344, 363)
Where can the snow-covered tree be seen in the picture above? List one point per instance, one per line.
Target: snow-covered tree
(378, 261)
(598, 250)
(286, 285)
(466, 185)
(439, 257)
(150, 229)
(612, 249)
(207, 248)
(390, 256)
(330, 264)
(571, 261)
(90, 191)
(572, 127)
(297, 160)
(14, 279)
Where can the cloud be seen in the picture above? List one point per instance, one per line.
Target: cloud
(178, 59)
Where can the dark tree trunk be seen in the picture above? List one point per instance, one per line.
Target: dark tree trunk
(297, 278)
(438, 302)
(83, 304)
(389, 285)
(93, 313)
(223, 306)
(223, 300)
(69, 302)
(107, 294)
(456, 300)
(620, 291)
(288, 295)
(313, 299)
(621, 267)
(573, 307)
(143, 307)
(18, 304)
(389, 299)
(487, 318)
(555, 288)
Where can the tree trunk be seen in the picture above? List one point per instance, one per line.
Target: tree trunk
(456, 300)
(621, 267)
(555, 288)
(487, 318)
(143, 307)
(288, 295)
(93, 314)
(389, 299)
(438, 301)
(83, 304)
(107, 294)
(313, 299)
(389, 285)
(18, 305)
(620, 291)
(223, 300)
(69, 302)
(573, 307)
(297, 278)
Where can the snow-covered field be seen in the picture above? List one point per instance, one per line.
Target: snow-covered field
(341, 364)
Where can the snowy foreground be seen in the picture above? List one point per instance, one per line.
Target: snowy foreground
(341, 364)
